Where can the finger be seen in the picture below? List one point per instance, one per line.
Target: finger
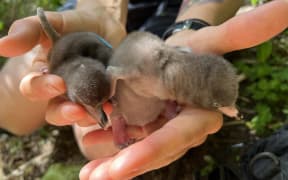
(26, 33)
(159, 163)
(101, 136)
(61, 112)
(264, 21)
(101, 171)
(39, 86)
(23, 35)
(178, 133)
(87, 170)
(40, 59)
(154, 125)
(97, 137)
(86, 122)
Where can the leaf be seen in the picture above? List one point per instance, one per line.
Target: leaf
(210, 165)
(1, 25)
(260, 121)
(62, 172)
(254, 2)
(263, 84)
(264, 51)
(262, 70)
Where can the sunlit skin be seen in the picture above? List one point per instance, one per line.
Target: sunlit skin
(165, 141)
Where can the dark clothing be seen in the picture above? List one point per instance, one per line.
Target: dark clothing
(152, 16)
(267, 159)
(145, 15)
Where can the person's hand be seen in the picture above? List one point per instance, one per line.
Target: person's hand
(191, 127)
(242, 31)
(24, 34)
(163, 146)
(162, 141)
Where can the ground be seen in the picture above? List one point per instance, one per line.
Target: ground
(30, 157)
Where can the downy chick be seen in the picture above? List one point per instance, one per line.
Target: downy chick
(153, 69)
(81, 58)
(131, 109)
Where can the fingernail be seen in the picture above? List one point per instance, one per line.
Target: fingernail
(13, 31)
(40, 66)
(44, 69)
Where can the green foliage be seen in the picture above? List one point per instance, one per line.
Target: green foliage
(2, 61)
(15, 146)
(1, 25)
(264, 51)
(62, 172)
(266, 85)
(254, 2)
(49, 4)
(260, 121)
(10, 10)
(258, 2)
(210, 165)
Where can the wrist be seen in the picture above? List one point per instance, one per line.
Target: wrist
(188, 24)
(179, 39)
(200, 41)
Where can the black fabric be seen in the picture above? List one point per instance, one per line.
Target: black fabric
(139, 12)
(152, 16)
(267, 159)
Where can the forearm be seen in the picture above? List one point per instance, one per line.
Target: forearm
(242, 31)
(212, 11)
(254, 27)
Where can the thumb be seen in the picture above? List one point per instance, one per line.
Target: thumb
(38, 84)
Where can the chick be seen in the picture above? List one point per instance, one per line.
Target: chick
(81, 58)
(153, 69)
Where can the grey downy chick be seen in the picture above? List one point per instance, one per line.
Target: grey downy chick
(153, 69)
(131, 109)
(81, 58)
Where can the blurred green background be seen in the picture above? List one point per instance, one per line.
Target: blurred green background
(10, 10)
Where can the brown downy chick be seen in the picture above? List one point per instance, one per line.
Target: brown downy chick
(81, 58)
(153, 69)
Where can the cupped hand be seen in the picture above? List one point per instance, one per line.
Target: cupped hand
(162, 141)
(163, 146)
(26, 33)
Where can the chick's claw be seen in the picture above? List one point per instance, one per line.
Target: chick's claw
(128, 143)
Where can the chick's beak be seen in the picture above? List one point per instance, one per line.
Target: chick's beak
(98, 114)
(230, 111)
(103, 122)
